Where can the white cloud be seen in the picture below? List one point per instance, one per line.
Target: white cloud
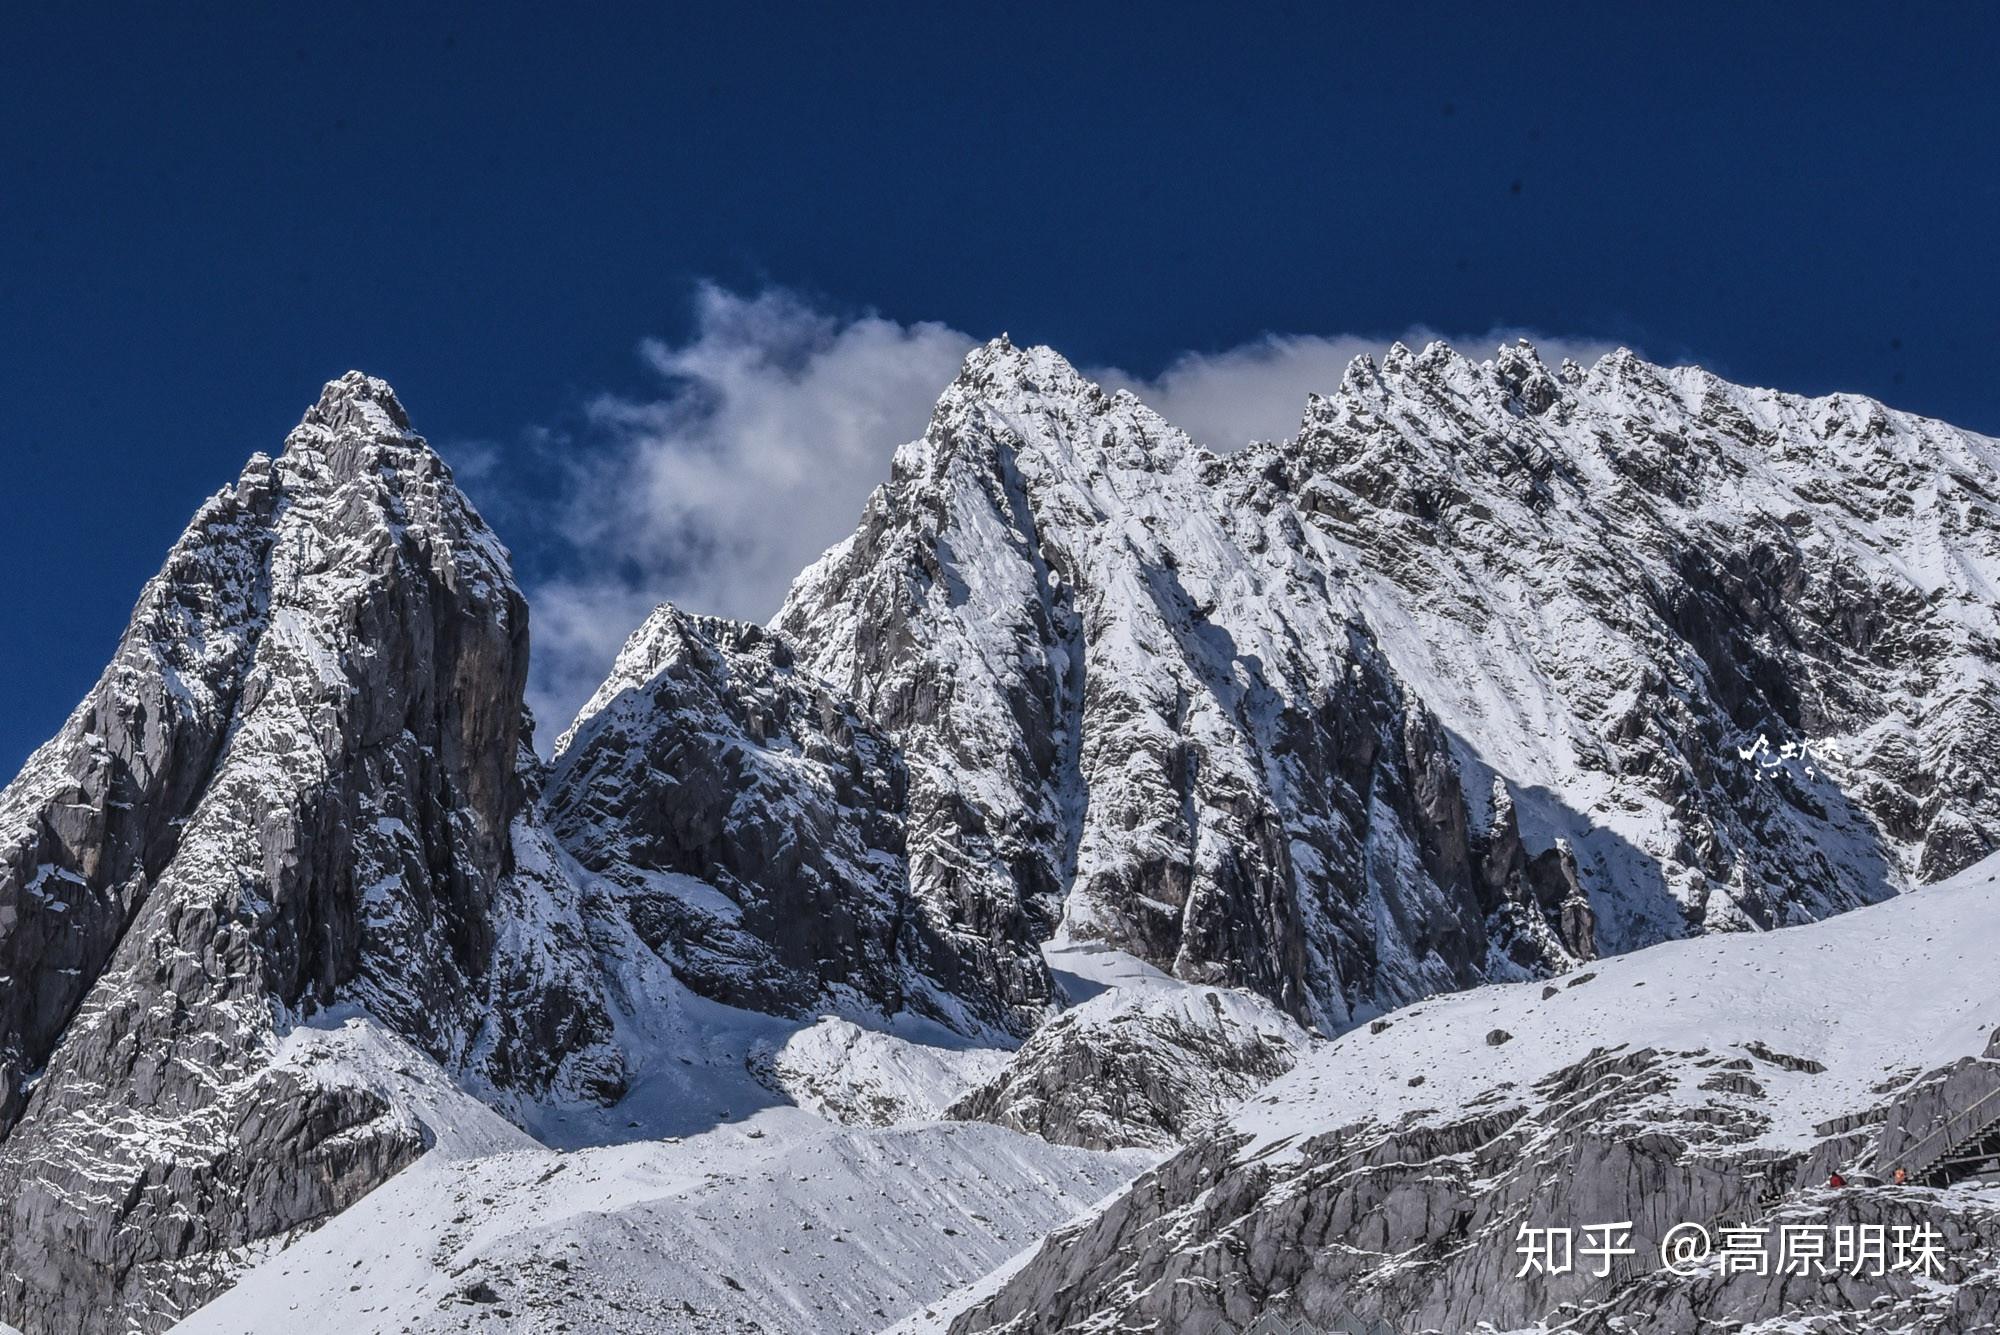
(774, 421)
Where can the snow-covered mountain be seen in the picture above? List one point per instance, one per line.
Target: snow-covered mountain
(1663, 570)
(1455, 686)
(751, 821)
(1080, 793)
(298, 782)
(1137, 710)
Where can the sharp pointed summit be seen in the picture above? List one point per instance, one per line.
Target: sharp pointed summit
(358, 402)
(295, 788)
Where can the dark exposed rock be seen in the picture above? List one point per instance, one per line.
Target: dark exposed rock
(295, 784)
(1784, 1061)
(705, 755)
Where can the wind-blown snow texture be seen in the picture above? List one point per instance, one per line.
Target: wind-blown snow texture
(1149, 757)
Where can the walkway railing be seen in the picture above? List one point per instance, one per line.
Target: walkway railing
(1959, 1128)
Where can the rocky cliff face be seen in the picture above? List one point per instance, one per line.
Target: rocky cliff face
(295, 785)
(1417, 1225)
(750, 821)
(1746, 636)
(1492, 668)
(1137, 704)
(1391, 1174)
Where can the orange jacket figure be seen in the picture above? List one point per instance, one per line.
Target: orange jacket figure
(1901, 1177)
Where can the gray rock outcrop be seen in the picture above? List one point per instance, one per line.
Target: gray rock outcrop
(1141, 1069)
(1417, 1222)
(750, 822)
(294, 786)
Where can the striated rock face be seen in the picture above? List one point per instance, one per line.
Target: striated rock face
(1390, 1174)
(1611, 584)
(1133, 705)
(750, 823)
(1417, 1224)
(297, 783)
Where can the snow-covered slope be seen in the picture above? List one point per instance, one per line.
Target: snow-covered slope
(1715, 1081)
(1803, 992)
(1490, 670)
(758, 1215)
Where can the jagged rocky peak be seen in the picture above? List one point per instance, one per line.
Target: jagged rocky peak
(999, 371)
(1066, 417)
(358, 406)
(750, 821)
(1139, 709)
(1520, 369)
(296, 786)
(1243, 715)
(1672, 571)
(667, 638)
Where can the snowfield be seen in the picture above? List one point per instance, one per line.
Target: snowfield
(703, 1200)
(774, 1216)
(786, 1219)
(1905, 985)
(1828, 1020)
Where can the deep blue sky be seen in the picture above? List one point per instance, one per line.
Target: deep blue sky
(206, 211)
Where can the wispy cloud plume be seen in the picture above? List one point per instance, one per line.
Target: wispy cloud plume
(775, 421)
(772, 422)
(771, 425)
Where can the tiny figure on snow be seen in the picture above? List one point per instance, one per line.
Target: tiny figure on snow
(1902, 1178)
(1836, 1181)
